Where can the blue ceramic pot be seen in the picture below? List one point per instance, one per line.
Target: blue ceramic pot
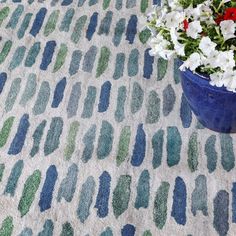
(215, 107)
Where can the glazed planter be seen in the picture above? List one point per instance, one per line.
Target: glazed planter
(214, 107)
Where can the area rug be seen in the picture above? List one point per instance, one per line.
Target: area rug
(96, 137)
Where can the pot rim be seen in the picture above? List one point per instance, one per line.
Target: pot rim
(204, 81)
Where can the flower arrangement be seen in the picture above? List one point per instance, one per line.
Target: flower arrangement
(200, 33)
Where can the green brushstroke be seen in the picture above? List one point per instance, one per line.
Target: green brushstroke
(105, 4)
(144, 35)
(5, 50)
(61, 57)
(123, 146)
(51, 23)
(160, 205)
(7, 227)
(147, 233)
(70, 147)
(2, 168)
(144, 6)
(153, 108)
(75, 37)
(67, 230)
(5, 131)
(30, 187)
(3, 14)
(162, 66)
(193, 152)
(103, 60)
(121, 195)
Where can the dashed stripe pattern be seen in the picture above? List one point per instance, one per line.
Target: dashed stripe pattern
(96, 137)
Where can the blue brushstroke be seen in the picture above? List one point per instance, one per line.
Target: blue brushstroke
(119, 67)
(103, 194)
(148, 64)
(92, 26)
(179, 202)
(59, 93)
(89, 59)
(47, 54)
(128, 230)
(66, 2)
(139, 147)
(118, 4)
(15, 17)
(92, 2)
(3, 78)
(131, 29)
(75, 62)
(26, 232)
(185, 113)
(38, 22)
(143, 190)
(14, 177)
(86, 198)
(119, 30)
(47, 228)
(157, 2)
(80, 3)
(74, 100)
(19, 139)
(104, 97)
(234, 203)
(221, 213)
(48, 187)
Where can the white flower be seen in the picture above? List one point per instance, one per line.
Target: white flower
(207, 46)
(226, 60)
(193, 12)
(179, 48)
(212, 60)
(217, 79)
(229, 80)
(228, 29)
(159, 47)
(174, 19)
(174, 5)
(192, 62)
(194, 28)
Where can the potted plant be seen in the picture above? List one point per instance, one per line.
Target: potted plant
(202, 35)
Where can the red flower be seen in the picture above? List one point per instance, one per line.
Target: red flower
(185, 24)
(218, 19)
(230, 14)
